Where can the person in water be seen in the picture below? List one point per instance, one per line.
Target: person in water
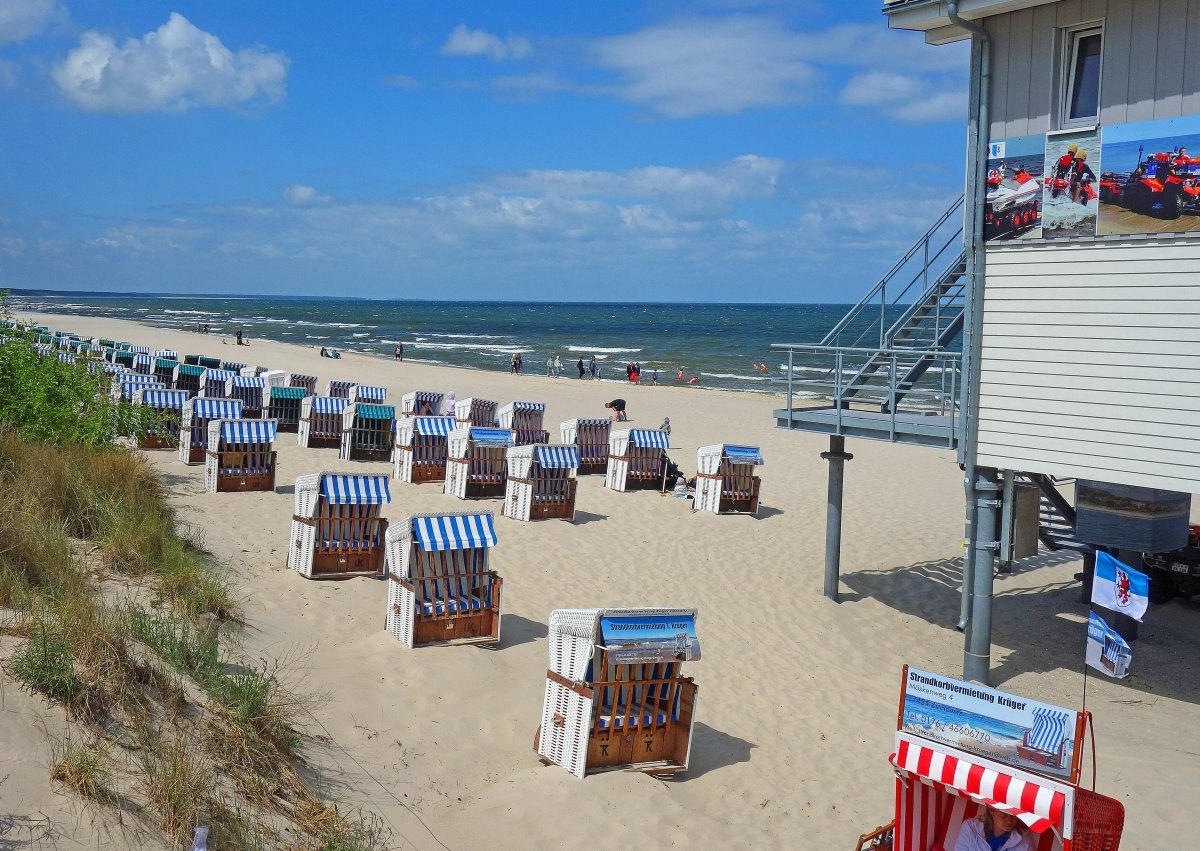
(1082, 177)
(1062, 168)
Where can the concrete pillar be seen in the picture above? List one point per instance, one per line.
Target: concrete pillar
(837, 456)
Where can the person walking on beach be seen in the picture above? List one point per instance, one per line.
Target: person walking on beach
(579, 366)
(654, 377)
(617, 406)
(592, 367)
(557, 367)
(550, 367)
(400, 351)
(513, 366)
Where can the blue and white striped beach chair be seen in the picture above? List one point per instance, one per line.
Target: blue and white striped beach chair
(169, 405)
(321, 421)
(422, 448)
(193, 425)
(240, 456)
(541, 482)
(1045, 744)
(590, 436)
(336, 528)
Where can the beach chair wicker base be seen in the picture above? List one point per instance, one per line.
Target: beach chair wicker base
(741, 504)
(424, 473)
(246, 482)
(359, 454)
(196, 455)
(344, 564)
(484, 490)
(560, 509)
(476, 626)
(591, 468)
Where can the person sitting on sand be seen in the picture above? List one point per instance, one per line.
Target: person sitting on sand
(618, 409)
(324, 352)
(993, 830)
(335, 354)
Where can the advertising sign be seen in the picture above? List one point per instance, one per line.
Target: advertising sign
(1152, 179)
(669, 636)
(992, 724)
(1012, 204)
(1070, 189)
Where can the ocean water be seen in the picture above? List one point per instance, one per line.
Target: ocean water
(717, 343)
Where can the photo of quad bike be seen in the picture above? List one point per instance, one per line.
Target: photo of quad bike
(1153, 181)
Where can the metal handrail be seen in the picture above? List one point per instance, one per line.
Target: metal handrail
(880, 288)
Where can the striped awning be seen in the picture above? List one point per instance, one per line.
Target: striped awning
(191, 369)
(165, 363)
(140, 350)
(248, 381)
(557, 457)
(288, 392)
(216, 409)
(170, 354)
(355, 490)
(248, 431)
(232, 366)
(579, 423)
(43, 348)
(743, 454)
(138, 378)
(112, 368)
(329, 404)
(375, 412)
(1036, 801)
(208, 363)
(364, 393)
(528, 406)
(649, 438)
(66, 357)
(424, 396)
(141, 359)
(491, 437)
(129, 388)
(299, 379)
(165, 399)
(211, 374)
(455, 532)
(441, 426)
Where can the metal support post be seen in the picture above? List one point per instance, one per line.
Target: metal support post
(977, 655)
(837, 456)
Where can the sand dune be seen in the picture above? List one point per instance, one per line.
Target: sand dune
(797, 704)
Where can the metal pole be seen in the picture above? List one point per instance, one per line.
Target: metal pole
(791, 372)
(837, 456)
(977, 656)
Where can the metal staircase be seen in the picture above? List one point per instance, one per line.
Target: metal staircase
(1056, 515)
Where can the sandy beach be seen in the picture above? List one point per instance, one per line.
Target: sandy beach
(797, 706)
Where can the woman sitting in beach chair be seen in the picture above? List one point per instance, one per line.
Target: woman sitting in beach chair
(421, 403)
(422, 448)
(321, 421)
(336, 529)
(240, 456)
(541, 482)
(474, 411)
(440, 588)
(725, 481)
(476, 466)
(193, 425)
(169, 406)
(524, 420)
(615, 696)
(590, 437)
(368, 432)
(636, 459)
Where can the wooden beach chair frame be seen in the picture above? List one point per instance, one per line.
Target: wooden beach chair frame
(240, 456)
(321, 421)
(338, 389)
(193, 425)
(525, 420)
(725, 480)
(591, 437)
(541, 483)
(422, 448)
(337, 530)
(308, 382)
(598, 715)
(441, 589)
(368, 432)
(636, 459)
(477, 468)
(169, 404)
(214, 381)
(189, 377)
(250, 389)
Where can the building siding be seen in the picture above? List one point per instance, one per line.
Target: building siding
(1091, 362)
(1151, 62)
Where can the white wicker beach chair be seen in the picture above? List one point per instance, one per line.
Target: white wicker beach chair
(249, 389)
(240, 456)
(635, 459)
(188, 377)
(590, 436)
(440, 588)
(615, 697)
(308, 382)
(422, 448)
(541, 482)
(339, 389)
(214, 382)
(368, 432)
(725, 480)
(321, 421)
(283, 403)
(476, 464)
(524, 419)
(126, 384)
(193, 424)
(143, 364)
(336, 528)
(164, 370)
(421, 403)
(473, 411)
(169, 405)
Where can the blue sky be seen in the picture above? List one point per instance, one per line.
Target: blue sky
(729, 151)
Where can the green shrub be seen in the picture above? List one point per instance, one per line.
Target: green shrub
(45, 666)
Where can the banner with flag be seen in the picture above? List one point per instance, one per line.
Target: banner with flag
(1107, 651)
(1119, 588)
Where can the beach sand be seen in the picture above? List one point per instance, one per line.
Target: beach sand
(798, 695)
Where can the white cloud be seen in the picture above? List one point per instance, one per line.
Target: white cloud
(464, 41)
(176, 67)
(909, 98)
(299, 195)
(20, 19)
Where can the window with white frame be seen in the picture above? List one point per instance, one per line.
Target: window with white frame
(1081, 76)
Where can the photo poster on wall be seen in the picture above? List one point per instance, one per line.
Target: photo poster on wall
(1012, 205)
(1071, 188)
(1152, 178)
